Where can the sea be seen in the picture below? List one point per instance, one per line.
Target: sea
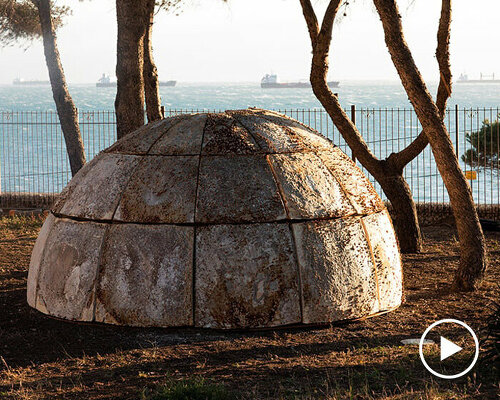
(32, 153)
(222, 96)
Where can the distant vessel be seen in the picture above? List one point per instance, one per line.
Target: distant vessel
(105, 81)
(483, 78)
(271, 81)
(20, 81)
(167, 83)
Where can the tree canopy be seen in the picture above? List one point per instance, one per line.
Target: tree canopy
(19, 20)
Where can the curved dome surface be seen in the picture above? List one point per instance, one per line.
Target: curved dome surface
(243, 219)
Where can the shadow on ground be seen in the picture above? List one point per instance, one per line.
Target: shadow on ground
(43, 357)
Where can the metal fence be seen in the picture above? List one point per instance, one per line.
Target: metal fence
(33, 159)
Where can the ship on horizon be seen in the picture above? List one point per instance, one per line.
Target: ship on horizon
(483, 78)
(21, 81)
(105, 81)
(270, 81)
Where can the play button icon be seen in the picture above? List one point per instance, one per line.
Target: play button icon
(449, 349)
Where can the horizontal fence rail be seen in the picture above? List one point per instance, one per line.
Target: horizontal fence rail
(34, 162)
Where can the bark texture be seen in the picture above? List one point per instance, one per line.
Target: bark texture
(129, 103)
(66, 110)
(150, 73)
(445, 82)
(389, 173)
(473, 253)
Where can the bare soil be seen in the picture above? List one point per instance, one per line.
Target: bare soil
(45, 358)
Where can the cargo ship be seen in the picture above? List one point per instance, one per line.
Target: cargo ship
(483, 78)
(105, 81)
(20, 81)
(270, 81)
(167, 83)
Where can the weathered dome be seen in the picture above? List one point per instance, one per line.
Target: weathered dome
(233, 220)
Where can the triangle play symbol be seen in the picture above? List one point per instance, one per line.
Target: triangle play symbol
(448, 348)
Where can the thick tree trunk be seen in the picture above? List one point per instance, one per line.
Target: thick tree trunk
(473, 253)
(405, 218)
(386, 172)
(150, 73)
(129, 102)
(66, 110)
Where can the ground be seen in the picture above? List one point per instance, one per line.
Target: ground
(44, 358)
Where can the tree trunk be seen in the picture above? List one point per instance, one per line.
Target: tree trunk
(389, 177)
(445, 83)
(443, 57)
(150, 73)
(386, 172)
(405, 214)
(473, 253)
(129, 102)
(66, 110)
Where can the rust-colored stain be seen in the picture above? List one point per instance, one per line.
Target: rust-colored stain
(243, 219)
(242, 184)
(224, 135)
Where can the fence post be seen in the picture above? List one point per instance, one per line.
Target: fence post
(162, 108)
(456, 128)
(353, 119)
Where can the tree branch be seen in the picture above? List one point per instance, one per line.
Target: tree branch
(406, 155)
(319, 73)
(311, 20)
(443, 56)
(325, 34)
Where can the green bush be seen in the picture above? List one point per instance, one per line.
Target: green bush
(485, 145)
(188, 389)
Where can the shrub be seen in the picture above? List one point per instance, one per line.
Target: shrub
(485, 145)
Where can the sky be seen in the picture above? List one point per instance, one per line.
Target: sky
(211, 41)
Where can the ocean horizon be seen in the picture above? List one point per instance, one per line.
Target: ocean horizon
(227, 95)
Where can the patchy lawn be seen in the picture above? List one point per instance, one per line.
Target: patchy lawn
(44, 358)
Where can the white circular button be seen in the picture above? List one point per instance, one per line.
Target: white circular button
(448, 348)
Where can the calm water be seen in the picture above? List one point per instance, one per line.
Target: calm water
(33, 157)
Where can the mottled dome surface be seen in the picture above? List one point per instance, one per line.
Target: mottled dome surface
(243, 219)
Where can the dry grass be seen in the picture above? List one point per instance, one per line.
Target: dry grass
(43, 358)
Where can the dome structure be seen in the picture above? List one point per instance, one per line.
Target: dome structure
(242, 219)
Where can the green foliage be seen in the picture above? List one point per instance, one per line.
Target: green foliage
(485, 145)
(188, 389)
(19, 20)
